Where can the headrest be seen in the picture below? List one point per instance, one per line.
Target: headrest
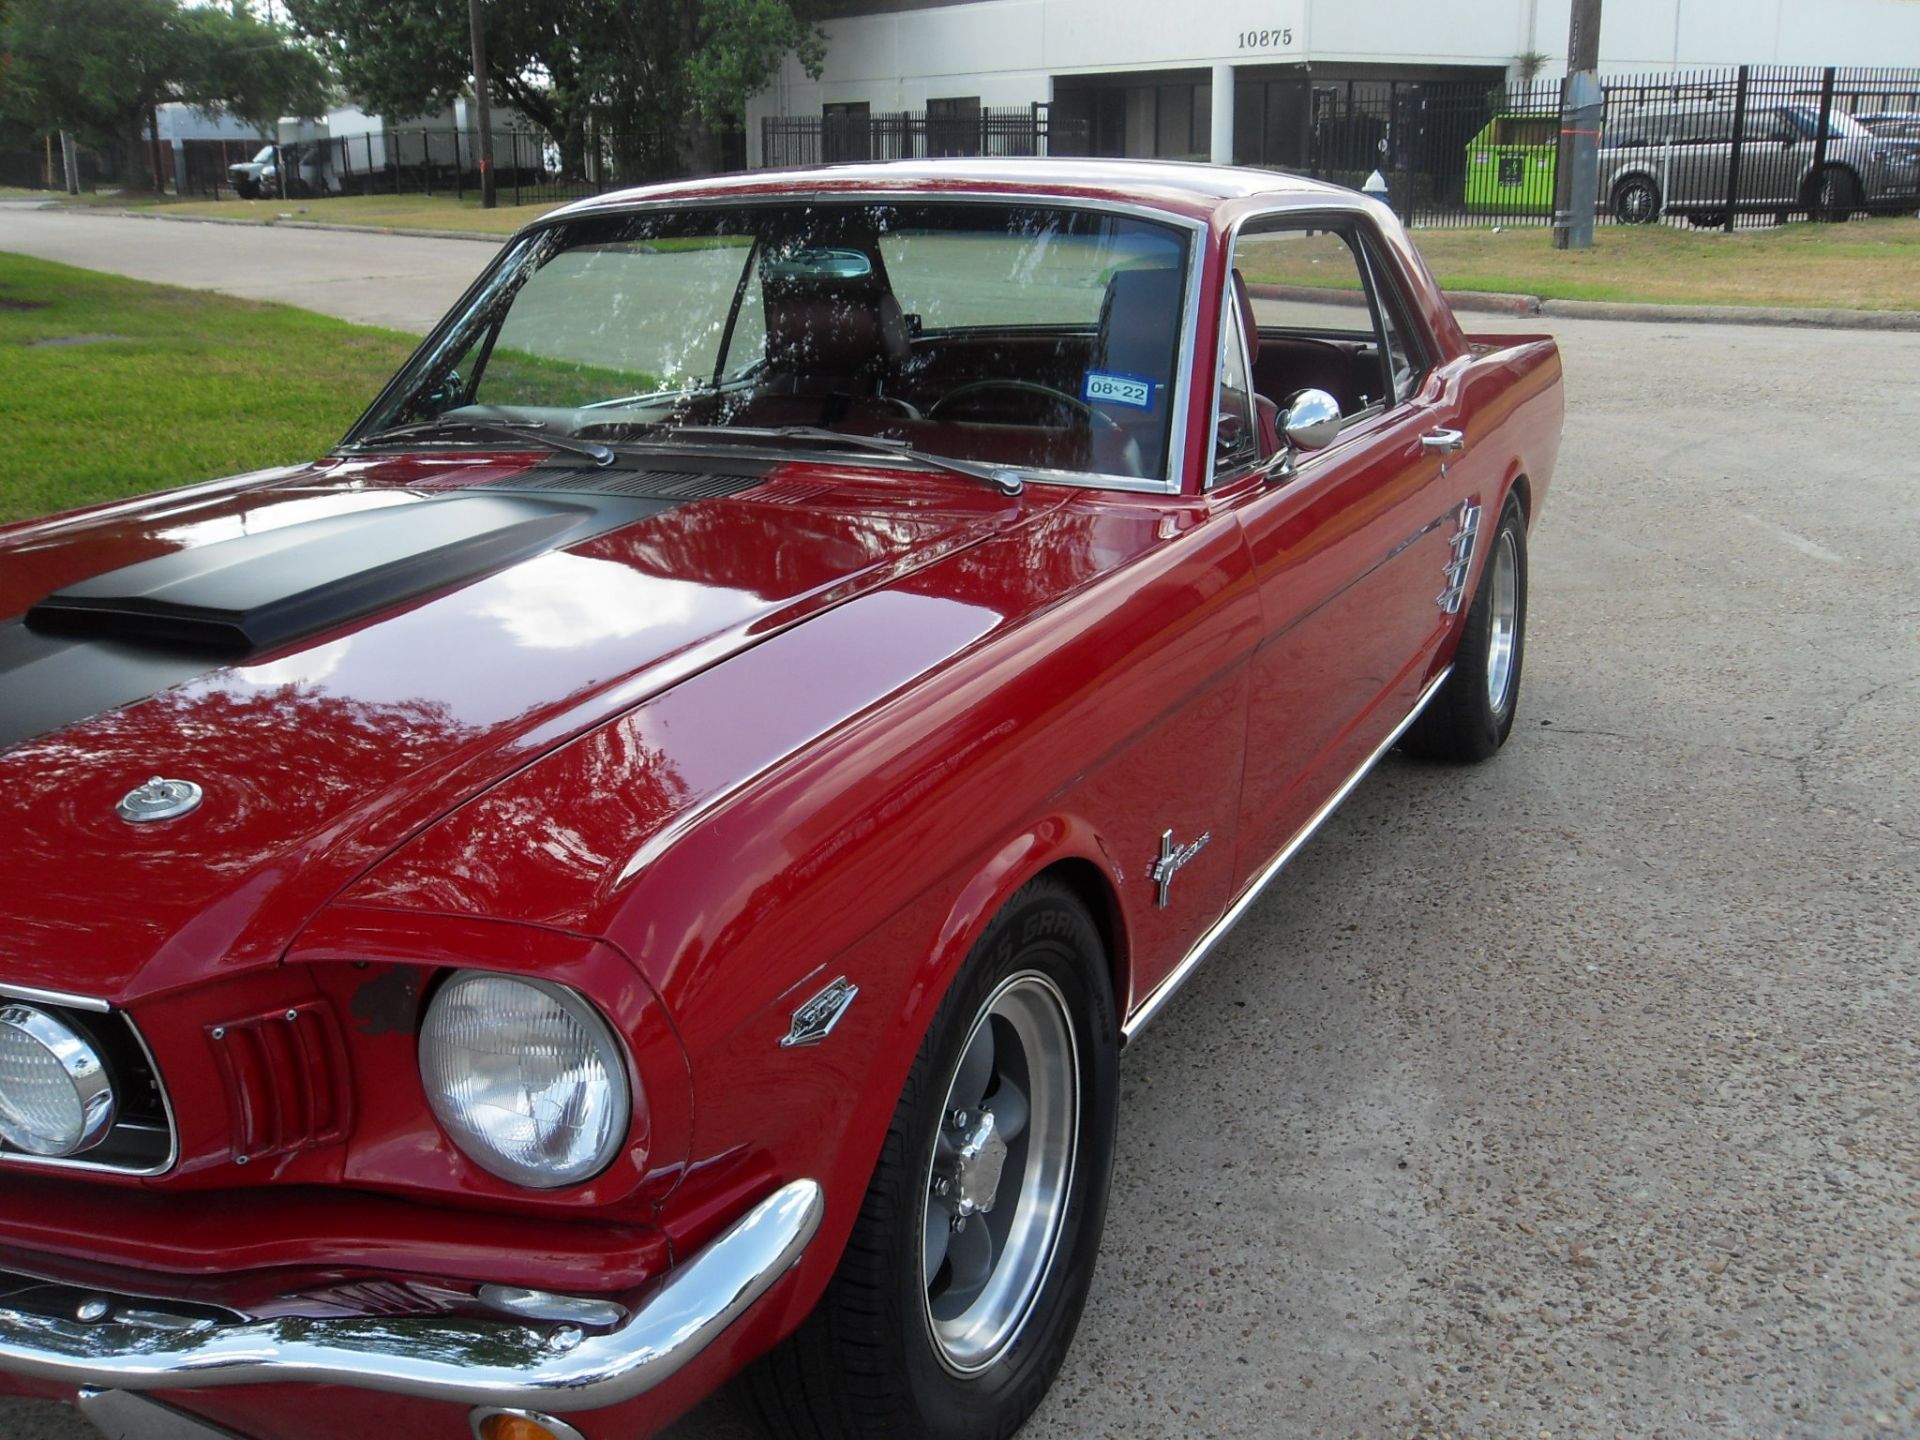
(1245, 302)
(835, 332)
(1138, 322)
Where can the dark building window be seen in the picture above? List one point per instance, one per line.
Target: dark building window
(1170, 121)
(846, 132)
(953, 125)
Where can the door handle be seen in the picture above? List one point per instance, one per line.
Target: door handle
(1443, 442)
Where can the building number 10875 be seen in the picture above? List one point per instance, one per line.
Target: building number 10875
(1266, 39)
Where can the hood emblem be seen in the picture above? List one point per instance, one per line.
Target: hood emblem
(815, 1020)
(158, 799)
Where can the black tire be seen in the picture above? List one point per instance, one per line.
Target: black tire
(1636, 201)
(867, 1362)
(1834, 195)
(1464, 722)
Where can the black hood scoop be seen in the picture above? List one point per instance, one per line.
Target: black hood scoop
(258, 592)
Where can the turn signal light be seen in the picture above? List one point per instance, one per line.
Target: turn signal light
(521, 1425)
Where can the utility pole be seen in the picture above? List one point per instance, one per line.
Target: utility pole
(70, 162)
(487, 198)
(1577, 163)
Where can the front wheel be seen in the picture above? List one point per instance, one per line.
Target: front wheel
(1472, 714)
(1636, 201)
(1836, 195)
(964, 1278)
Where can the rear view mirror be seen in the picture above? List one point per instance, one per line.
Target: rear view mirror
(817, 264)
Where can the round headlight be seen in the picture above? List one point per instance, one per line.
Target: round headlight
(526, 1077)
(55, 1095)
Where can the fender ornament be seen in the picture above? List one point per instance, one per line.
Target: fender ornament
(1171, 861)
(814, 1021)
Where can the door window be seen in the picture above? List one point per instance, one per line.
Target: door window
(1320, 324)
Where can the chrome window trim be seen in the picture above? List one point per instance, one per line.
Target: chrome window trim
(1168, 482)
(95, 1006)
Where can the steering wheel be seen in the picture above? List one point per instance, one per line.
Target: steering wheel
(943, 407)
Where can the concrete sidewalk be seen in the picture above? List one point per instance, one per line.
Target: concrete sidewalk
(405, 282)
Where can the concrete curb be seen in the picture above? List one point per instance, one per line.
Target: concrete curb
(1889, 320)
(277, 224)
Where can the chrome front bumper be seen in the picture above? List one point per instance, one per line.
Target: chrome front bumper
(469, 1362)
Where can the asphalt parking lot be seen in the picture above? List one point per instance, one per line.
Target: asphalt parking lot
(1577, 1095)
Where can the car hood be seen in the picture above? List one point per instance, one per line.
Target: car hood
(339, 654)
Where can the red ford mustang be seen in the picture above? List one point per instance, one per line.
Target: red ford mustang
(639, 865)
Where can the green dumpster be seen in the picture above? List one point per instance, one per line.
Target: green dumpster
(1510, 165)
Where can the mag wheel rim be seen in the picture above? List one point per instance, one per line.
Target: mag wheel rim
(1503, 627)
(1001, 1172)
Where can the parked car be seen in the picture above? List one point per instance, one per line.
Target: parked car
(309, 172)
(256, 177)
(1896, 125)
(644, 858)
(1677, 160)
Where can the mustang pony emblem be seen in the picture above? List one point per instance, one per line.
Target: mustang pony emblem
(1170, 861)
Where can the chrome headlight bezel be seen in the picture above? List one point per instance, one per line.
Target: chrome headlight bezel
(443, 1071)
(80, 1063)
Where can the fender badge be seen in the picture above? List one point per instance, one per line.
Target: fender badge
(815, 1020)
(158, 799)
(1171, 861)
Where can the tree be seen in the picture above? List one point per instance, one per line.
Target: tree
(651, 75)
(100, 67)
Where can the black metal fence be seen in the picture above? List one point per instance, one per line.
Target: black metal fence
(1738, 146)
(1742, 146)
(527, 168)
(850, 133)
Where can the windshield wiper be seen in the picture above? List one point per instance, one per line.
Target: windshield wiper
(1005, 481)
(532, 434)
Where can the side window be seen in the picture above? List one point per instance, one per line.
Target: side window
(1236, 432)
(1319, 326)
(1406, 362)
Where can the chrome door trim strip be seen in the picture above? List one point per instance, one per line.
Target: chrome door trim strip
(1216, 932)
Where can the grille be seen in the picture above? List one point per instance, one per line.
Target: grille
(286, 1078)
(141, 1140)
(790, 492)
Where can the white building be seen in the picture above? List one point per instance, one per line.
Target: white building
(1148, 77)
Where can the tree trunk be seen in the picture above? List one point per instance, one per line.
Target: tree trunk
(137, 164)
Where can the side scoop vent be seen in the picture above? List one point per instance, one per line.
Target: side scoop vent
(258, 592)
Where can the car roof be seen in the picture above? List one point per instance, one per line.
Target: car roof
(1178, 187)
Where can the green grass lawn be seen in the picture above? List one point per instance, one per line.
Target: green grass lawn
(1864, 265)
(189, 385)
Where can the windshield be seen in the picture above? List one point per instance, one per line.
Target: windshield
(1031, 336)
(266, 154)
(1839, 126)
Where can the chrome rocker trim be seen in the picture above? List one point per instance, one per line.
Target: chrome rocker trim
(1217, 931)
(463, 1361)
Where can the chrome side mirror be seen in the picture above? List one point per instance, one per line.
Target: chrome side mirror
(1312, 421)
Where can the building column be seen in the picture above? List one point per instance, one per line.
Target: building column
(1222, 153)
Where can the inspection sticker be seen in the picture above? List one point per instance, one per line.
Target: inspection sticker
(1105, 388)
